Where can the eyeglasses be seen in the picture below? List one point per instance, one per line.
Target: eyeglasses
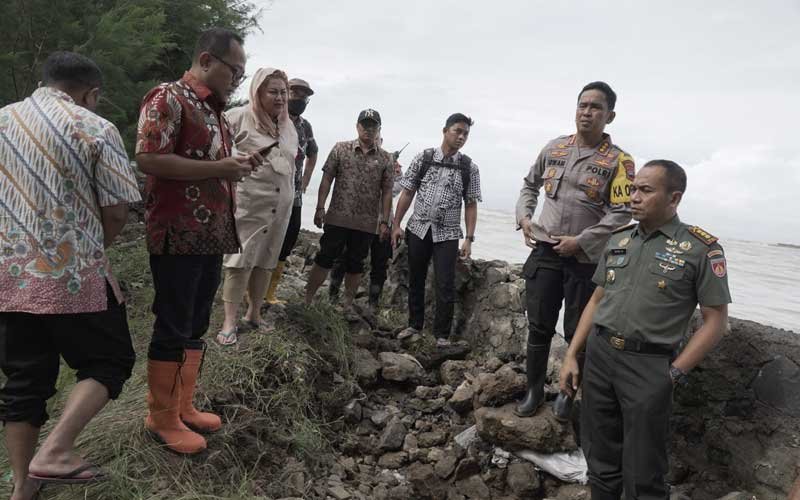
(275, 93)
(237, 72)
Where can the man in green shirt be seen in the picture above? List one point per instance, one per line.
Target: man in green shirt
(650, 278)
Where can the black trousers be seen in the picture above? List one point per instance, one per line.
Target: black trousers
(444, 254)
(292, 232)
(627, 402)
(96, 345)
(185, 286)
(549, 280)
(379, 254)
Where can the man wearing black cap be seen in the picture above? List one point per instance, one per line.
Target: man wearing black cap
(359, 208)
(299, 94)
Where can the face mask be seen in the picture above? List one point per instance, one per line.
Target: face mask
(297, 106)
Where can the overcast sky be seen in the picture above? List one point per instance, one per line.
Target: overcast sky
(713, 85)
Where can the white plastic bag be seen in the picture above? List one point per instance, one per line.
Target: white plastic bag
(567, 466)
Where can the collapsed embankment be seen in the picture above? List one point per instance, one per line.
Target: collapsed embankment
(325, 408)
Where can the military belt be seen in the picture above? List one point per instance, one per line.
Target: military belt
(621, 343)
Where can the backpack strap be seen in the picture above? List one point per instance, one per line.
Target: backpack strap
(427, 160)
(466, 174)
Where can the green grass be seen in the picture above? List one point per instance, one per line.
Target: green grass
(279, 393)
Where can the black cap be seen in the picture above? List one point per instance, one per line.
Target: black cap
(369, 114)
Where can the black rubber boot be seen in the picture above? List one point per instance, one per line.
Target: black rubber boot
(562, 406)
(375, 291)
(536, 368)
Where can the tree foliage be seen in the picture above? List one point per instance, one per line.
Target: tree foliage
(137, 43)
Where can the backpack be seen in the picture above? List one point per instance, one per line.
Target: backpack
(464, 166)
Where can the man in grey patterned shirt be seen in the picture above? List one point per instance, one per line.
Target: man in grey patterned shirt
(441, 178)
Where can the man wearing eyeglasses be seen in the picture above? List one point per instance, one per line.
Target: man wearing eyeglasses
(184, 147)
(359, 208)
(300, 93)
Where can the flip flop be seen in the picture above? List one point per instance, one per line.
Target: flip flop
(97, 474)
(227, 338)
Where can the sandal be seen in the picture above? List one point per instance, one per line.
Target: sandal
(227, 338)
(77, 476)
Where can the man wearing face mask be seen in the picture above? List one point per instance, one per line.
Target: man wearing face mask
(300, 93)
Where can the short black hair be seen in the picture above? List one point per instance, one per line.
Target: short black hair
(215, 41)
(458, 118)
(71, 70)
(611, 96)
(675, 174)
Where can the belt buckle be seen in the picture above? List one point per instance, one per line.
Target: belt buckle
(617, 342)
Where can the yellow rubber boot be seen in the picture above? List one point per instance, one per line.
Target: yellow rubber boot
(273, 284)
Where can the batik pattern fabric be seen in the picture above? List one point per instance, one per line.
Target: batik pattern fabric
(59, 164)
(439, 195)
(187, 217)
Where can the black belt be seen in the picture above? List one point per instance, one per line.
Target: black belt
(623, 344)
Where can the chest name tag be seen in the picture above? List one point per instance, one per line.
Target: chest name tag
(618, 251)
(670, 259)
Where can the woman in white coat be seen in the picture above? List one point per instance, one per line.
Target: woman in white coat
(263, 200)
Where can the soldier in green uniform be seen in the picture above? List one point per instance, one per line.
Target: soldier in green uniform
(649, 280)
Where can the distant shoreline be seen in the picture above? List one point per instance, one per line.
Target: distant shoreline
(787, 245)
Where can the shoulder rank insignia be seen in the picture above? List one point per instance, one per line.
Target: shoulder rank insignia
(624, 228)
(703, 235)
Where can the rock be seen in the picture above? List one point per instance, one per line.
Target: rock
(393, 460)
(430, 439)
(474, 488)
(339, 493)
(425, 482)
(353, 412)
(434, 455)
(506, 296)
(399, 367)
(426, 392)
(574, 492)
(435, 357)
(495, 275)
(410, 443)
(380, 492)
(466, 468)
(393, 436)
(522, 479)
(461, 401)
(542, 432)
(500, 387)
(400, 492)
(778, 385)
(452, 372)
(446, 465)
(493, 364)
(365, 367)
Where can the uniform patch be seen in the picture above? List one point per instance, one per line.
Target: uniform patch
(551, 172)
(594, 169)
(618, 251)
(557, 163)
(601, 161)
(621, 186)
(666, 267)
(548, 187)
(626, 162)
(559, 154)
(604, 148)
(672, 243)
(592, 194)
(624, 242)
(662, 284)
(702, 235)
(685, 246)
(593, 181)
(611, 276)
(714, 253)
(719, 266)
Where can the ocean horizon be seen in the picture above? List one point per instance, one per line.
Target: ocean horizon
(761, 276)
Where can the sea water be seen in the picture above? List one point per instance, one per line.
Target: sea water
(763, 277)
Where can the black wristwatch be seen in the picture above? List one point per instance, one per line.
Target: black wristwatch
(471, 239)
(677, 375)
